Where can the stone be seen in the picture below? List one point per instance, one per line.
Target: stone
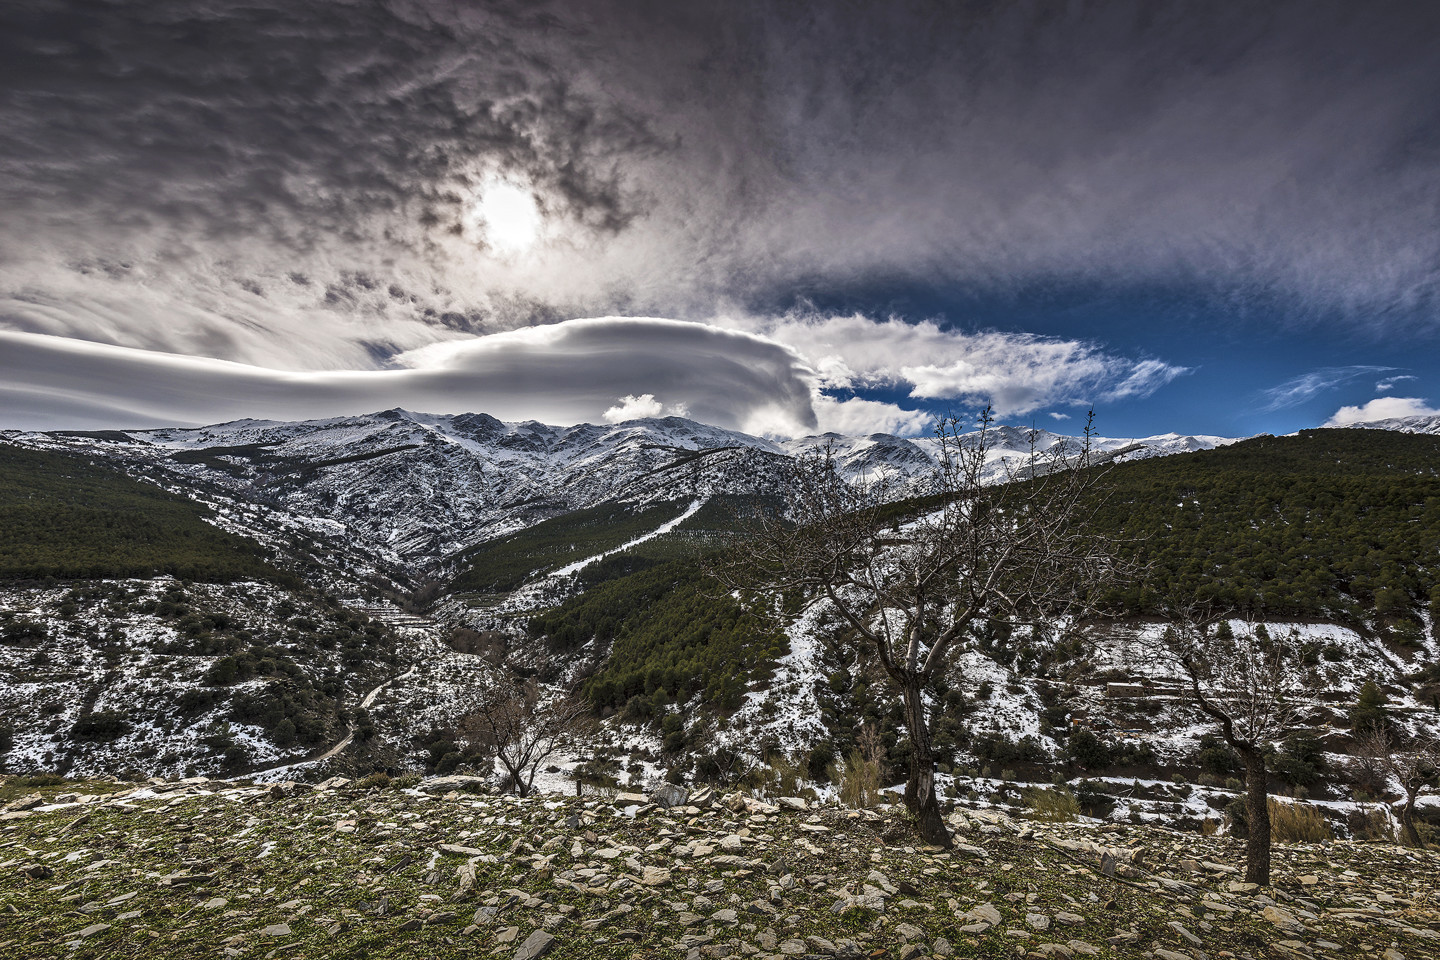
(24, 803)
(1038, 921)
(276, 930)
(909, 932)
(942, 948)
(655, 876)
(536, 945)
(455, 849)
(669, 795)
(455, 783)
(1185, 934)
(93, 929)
(214, 904)
(985, 913)
(1283, 919)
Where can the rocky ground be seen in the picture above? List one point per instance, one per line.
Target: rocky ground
(206, 869)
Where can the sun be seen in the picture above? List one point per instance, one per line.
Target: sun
(508, 216)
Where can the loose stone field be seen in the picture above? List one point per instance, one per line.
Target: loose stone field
(211, 869)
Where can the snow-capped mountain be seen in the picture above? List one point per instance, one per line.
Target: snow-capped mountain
(1430, 424)
(401, 491)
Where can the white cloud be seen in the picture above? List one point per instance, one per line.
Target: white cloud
(1017, 373)
(1388, 384)
(1059, 416)
(632, 407)
(859, 417)
(562, 373)
(1382, 408)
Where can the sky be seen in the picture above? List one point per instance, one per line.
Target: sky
(1214, 218)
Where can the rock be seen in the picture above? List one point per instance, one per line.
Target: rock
(669, 795)
(985, 913)
(909, 932)
(1185, 934)
(941, 948)
(732, 843)
(1282, 918)
(629, 799)
(1038, 921)
(455, 783)
(655, 876)
(214, 904)
(414, 923)
(536, 945)
(93, 929)
(276, 930)
(793, 803)
(24, 803)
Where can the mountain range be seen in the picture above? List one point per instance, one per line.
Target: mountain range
(398, 493)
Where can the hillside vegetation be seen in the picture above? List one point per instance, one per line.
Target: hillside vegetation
(1329, 523)
(61, 516)
(1340, 524)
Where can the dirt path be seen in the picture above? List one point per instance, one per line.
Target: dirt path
(365, 704)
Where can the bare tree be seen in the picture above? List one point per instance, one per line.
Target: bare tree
(1412, 762)
(515, 724)
(1247, 684)
(914, 583)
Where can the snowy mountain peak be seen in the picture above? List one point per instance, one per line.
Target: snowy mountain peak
(1419, 424)
(409, 489)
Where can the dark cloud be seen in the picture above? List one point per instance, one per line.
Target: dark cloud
(292, 183)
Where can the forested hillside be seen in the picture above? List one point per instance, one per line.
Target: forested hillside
(62, 516)
(1328, 523)
(1337, 524)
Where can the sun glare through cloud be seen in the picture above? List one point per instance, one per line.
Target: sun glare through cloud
(508, 217)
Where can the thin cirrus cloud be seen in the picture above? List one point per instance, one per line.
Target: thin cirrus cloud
(1389, 383)
(1306, 386)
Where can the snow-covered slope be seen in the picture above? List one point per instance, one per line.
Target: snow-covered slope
(401, 491)
(1429, 424)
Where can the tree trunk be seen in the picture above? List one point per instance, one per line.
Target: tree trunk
(1257, 812)
(1409, 836)
(920, 796)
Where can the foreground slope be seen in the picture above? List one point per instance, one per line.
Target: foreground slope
(206, 869)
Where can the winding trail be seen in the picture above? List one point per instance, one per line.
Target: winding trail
(365, 704)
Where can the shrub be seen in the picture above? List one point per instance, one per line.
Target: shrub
(1054, 804)
(1298, 823)
(100, 726)
(859, 781)
(379, 780)
(1370, 824)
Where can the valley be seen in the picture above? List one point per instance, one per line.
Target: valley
(391, 568)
